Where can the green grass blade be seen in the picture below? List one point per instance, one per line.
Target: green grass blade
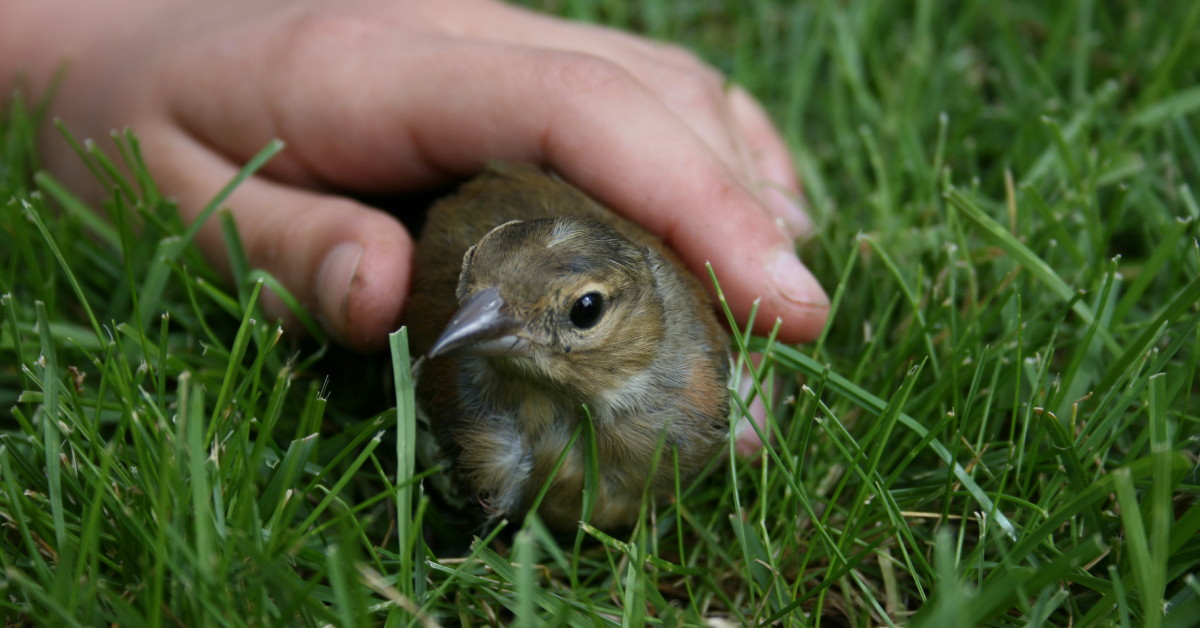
(293, 304)
(77, 209)
(288, 473)
(794, 360)
(257, 162)
(1138, 548)
(51, 434)
(239, 265)
(35, 216)
(1164, 252)
(406, 443)
(1161, 511)
(1172, 313)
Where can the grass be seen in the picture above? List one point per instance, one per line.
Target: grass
(999, 426)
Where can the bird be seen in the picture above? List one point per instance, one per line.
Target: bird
(531, 300)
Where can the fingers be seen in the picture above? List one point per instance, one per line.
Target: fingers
(729, 121)
(734, 128)
(768, 151)
(596, 126)
(378, 117)
(776, 185)
(692, 90)
(347, 264)
(464, 103)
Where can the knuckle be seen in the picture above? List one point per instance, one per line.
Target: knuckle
(587, 75)
(687, 61)
(320, 29)
(267, 246)
(694, 91)
(305, 42)
(697, 90)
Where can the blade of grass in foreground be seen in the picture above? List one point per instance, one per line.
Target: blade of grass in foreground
(76, 207)
(1185, 299)
(50, 427)
(240, 344)
(406, 448)
(35, 216)
(171, 248)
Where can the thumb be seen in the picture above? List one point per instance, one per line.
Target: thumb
(348, 264)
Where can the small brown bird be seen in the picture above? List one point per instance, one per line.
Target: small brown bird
(529, 300)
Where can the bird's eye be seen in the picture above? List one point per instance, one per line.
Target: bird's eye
(587, 310)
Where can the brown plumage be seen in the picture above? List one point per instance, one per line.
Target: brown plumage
(529, 300)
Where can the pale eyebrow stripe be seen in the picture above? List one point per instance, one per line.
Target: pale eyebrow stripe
(563, 232)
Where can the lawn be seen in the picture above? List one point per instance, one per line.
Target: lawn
(999, 426)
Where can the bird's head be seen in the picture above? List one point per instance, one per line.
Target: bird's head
(567, 301)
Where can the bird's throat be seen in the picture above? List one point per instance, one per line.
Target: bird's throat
(532, 424)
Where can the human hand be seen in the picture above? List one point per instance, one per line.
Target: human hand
(386, 97)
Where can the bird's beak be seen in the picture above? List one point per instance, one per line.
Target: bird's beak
(480, 328)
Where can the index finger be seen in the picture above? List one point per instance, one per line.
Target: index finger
(604, 132)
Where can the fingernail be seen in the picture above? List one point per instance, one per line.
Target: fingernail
(335, 280)
(796, 222)
(794, 282)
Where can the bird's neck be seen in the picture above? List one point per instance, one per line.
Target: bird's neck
(508, 384)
